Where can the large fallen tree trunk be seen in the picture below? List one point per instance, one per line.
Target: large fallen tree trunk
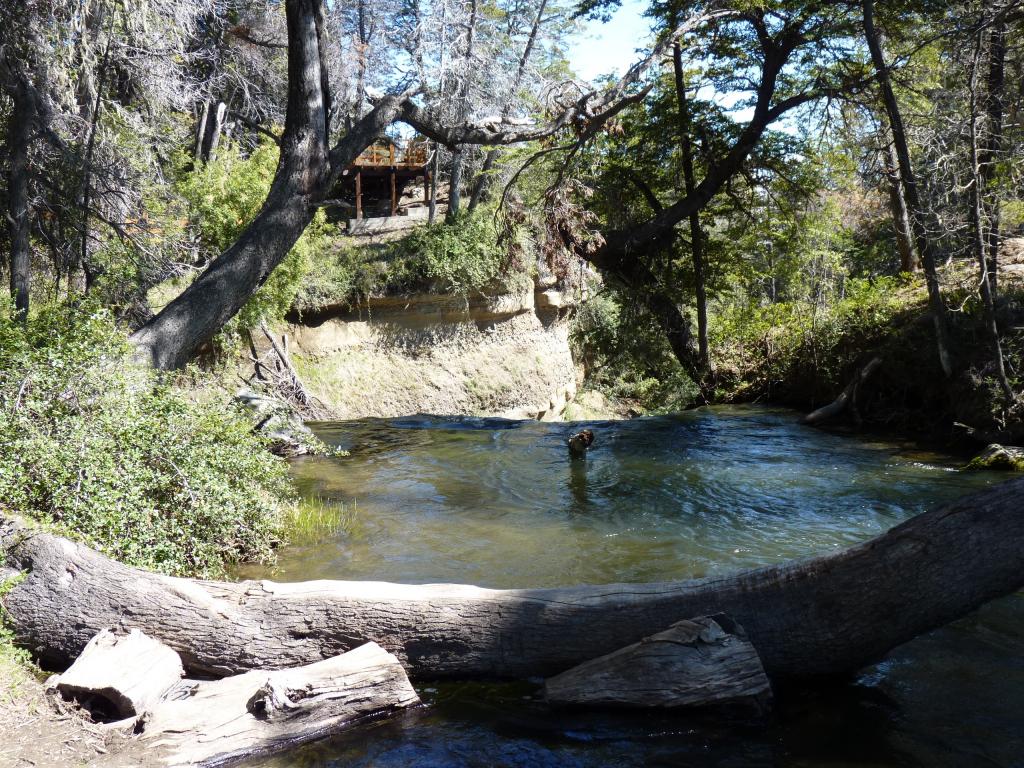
(823, 616)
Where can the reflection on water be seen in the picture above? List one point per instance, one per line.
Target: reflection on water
(500, 504)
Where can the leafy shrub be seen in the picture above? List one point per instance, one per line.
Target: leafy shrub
(458, 257)
(92, 447)
(759, 347)
(626, 356)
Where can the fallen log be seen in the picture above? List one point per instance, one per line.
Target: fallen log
(847, 397)
(125, 674)
(824, 616)
(702, 662)
(208, 723)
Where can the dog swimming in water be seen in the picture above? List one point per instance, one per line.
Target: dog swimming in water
(580, 443)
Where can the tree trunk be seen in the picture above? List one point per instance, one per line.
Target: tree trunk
(847, 397)
(980, 240)
(696, 234)
(128, 674)
(459, 156)
(19, 140)
(204, 116)
(824, 616)
(212, 127)
(917, 213)
(993, 144)
(701, 662)
(898, 209)
(304, 174)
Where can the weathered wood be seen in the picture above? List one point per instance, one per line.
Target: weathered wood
(823, 616)
(846, 397)
(703, 662)
(206, 723)
(129, 672)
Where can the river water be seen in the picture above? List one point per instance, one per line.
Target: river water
(500, 504)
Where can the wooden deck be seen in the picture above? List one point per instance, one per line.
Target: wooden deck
(387, 155)
(383, 169)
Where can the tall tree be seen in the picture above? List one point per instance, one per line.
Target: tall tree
(763, 48)
(690, 184)
(908, 180)
(484, 177)
(463, 102)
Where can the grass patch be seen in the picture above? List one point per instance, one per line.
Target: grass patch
(316, 518)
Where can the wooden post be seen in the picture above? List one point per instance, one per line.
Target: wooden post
(394, 191)
(359, 194)
(426, 186)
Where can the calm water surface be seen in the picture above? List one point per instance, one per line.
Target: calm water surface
(499, 504)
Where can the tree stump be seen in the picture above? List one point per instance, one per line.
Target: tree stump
(703, 662)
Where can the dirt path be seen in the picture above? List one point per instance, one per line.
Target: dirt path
(34, 733)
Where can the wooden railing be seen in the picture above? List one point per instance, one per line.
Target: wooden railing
(385, 155)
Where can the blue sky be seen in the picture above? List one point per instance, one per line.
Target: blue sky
(610, 48)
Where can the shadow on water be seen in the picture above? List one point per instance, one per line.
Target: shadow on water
(499, 503)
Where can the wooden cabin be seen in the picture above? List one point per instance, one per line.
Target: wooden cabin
(378, 177)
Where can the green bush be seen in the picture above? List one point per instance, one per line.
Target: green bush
(93, 448)
(459, 257)
(756, 347)
(626, 356)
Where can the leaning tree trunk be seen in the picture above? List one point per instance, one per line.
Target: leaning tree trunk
(304, 175)
(898, 211)
(823, 616)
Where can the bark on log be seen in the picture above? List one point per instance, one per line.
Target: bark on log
(703, 662)
(822, 616)
(129, 673)
(207, 723)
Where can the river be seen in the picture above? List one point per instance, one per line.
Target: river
(500, 504)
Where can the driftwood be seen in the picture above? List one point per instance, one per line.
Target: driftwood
(703, 662)
(823, 616)
(126, 674)
(847, 398)
(213, 722)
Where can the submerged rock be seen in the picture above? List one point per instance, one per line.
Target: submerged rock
(1005, 457)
